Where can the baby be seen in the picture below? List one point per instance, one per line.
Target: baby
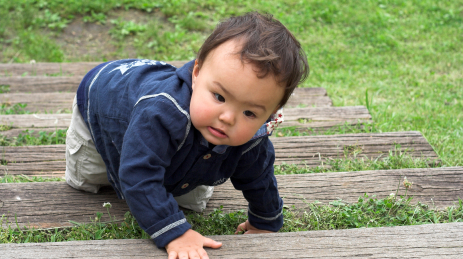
(163, 137)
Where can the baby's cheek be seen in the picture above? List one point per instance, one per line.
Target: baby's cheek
(244, 134)
(201, 113)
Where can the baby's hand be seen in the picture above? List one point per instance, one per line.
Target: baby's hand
(250, 229)
(190, 245)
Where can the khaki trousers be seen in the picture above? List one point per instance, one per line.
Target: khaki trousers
(85, 169)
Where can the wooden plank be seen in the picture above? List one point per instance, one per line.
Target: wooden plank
(41, 102)
(313, 150)
(309, 97)
(33, 122)
(307, 150)
(303, 119)
(41, 84)
(50, 68)
(53, 204)
(320, 119)
(422, 241)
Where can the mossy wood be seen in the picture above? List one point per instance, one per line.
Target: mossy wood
(54, 204)
(51, 68)
(422, 241)
(303, 119)
(307, 150)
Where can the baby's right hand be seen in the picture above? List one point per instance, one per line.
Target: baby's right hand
(190, 245)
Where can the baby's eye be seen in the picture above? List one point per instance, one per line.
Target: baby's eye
(249, 114)
(219, 98)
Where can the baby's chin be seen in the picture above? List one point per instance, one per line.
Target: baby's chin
(231, 144)
(229, 141)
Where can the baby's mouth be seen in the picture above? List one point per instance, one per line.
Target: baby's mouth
(217, 132)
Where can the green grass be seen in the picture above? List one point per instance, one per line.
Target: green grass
(30, 138)
(401, 59)
(27, 179)
(17, 108)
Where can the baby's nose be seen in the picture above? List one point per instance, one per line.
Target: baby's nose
(227, 117)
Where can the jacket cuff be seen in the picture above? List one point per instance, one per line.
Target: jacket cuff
(271, 221)
(168, 229)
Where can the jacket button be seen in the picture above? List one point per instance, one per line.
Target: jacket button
(207, 156)
(185, 185)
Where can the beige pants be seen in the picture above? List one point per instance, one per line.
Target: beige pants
(85, 169)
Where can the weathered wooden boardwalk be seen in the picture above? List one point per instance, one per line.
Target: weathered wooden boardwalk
(50, 87)
(53, 204)
(306, 150)
(423, 241)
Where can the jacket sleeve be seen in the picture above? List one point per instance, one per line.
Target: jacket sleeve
(150, 142)
(254, 177)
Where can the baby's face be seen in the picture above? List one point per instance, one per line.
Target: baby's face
(229, 102)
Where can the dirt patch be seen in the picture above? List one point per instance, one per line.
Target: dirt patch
(86, 41)
(81, 41)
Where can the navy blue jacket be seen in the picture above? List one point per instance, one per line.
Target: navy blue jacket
(138, 114)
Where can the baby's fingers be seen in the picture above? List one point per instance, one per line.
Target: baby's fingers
(173, 255)
(241, 228)
(202, 254)
(211, 243)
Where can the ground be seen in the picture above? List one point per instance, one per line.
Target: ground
(91, 41)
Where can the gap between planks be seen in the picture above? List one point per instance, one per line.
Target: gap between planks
(422, 241)
(54, 204)
(307, 150)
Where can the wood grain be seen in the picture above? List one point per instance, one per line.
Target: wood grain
(313, 150)
(51, 68)
(42, 84)
(302, 119)
(307, 150)
(423, 241)
(40, 102)
(53, 204)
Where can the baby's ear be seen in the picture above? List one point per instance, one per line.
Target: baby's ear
(276, 109)
(195, 73)
(196, 69)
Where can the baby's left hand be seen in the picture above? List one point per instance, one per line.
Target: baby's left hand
(250, 229)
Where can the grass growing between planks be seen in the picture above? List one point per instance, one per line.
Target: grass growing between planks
(27, 179)
(29, 138)
(396, 210)
(18, 108)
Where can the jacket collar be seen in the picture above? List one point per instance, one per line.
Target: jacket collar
(184, 72)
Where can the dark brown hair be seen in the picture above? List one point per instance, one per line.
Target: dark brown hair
(267, 44)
